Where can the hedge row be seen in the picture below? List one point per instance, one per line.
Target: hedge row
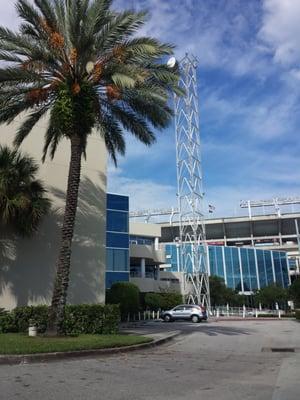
(83, 318)
(298, 315)
(275, 315)
(162, 301)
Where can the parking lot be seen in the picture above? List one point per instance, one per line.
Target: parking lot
(214, 360)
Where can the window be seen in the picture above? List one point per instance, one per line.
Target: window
(277, 268)
(179, 308)
(269, 269)
(245, 270)
(252, 269)
(117, 221)
(117, 202)
(284, 269)
(119, 240)
(261, 268)
(117, 260)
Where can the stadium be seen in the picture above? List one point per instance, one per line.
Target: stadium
(249, 252)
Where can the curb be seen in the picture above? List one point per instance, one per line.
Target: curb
(65, 355)
(250, 319)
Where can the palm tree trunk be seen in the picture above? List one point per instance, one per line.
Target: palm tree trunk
(59, 296)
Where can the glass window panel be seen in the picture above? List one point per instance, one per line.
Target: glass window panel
(245, 270)
(120, 240)
(277, 268)
(252, 269)
(261, 268)
(284, 269)
(268, 265)
(117, 221)
(236, 268)
(120, 260)
(117, 202)
(212, 261)
(112, 277)
(109, 259)
(228, 266)
(219, 261)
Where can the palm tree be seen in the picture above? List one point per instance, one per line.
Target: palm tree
(23, 201)
(81, 64)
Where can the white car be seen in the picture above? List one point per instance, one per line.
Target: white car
(191, 312)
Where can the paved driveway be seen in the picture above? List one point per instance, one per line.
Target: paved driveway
(217, 361)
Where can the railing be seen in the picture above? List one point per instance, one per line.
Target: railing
(244, 312)
(219, 312)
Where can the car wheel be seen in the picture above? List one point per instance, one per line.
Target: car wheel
(167, 318)
(195, 318)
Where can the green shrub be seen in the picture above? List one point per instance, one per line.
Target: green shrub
(7, 322)
(153, 301)
(297, 315)
(82, 318)
(170, 300)
(38, 315)
(127, 295)
(275, 315)
(91, 318)
(163, 300)
(294, 292)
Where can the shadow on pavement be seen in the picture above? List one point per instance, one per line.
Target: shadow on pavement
(188, 328)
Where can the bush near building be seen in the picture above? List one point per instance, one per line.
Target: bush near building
(270, 295)
(221, 295)
(298, 315)
(162, 301)
(127, 295)
(294, 292)
(82, 318)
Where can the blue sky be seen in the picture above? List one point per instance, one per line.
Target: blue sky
(249, 89)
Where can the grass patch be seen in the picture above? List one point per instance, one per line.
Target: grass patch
(16, 343)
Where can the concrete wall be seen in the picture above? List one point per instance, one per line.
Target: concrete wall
(143, 229)
(27, 265)
(147, 252)
(167, 281)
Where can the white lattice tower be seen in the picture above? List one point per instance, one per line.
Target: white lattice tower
(193, 250)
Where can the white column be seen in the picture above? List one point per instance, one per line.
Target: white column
(256, 267)
(156, 243)
(241, 271)
(143, 268)
(224, 265)
(273, 268)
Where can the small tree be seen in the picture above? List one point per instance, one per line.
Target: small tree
(163, 300)
(218, 291)
(270, 295)
(127, 295)
(294, 292)
(81, 64)
(23, 200)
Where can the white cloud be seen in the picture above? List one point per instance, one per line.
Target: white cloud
(143, 193)
(281, 29)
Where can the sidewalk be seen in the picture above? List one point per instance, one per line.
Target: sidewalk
(288, 381)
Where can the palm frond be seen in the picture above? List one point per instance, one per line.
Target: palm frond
(28, 125)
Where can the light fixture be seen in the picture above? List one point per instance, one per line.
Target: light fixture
(89, 67)
(171, 62)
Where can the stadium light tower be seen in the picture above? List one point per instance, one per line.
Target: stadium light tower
(192, 246)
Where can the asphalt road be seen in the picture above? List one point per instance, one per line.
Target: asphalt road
(222, 360)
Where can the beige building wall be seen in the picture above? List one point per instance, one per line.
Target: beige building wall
(144, 229)
(27, 265)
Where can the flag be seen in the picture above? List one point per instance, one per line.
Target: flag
(211, 208)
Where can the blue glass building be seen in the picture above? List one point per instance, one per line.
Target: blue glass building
(117, 239)
(243, 269)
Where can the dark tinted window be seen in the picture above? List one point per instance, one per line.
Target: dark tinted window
(116, 202)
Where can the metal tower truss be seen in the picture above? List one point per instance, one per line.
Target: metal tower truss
(193, 249)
